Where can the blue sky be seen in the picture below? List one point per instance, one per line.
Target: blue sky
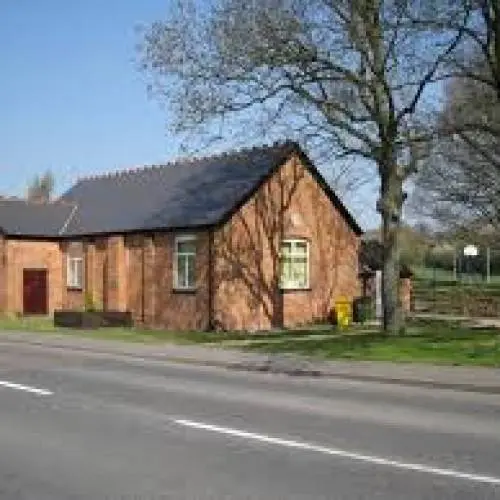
(71, 96)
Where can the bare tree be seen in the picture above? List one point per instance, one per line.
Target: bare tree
(42, 187)
(479, 57)
(459, 184)
(356, 75)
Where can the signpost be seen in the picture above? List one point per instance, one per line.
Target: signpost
(488, 265)
(470, 251)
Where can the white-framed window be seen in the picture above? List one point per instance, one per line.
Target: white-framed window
(74, 275)
(294, 264)
(185, 262)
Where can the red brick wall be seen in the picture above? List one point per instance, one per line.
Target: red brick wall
(3, 274)
(100, 288)
(25, 254)
(96, 251)
(151, 296)
(290, 205)
(135, 292)
(116, 289)
(105, 285)
(150, 279)
(405, 291)
(175, 309)
(72, 298)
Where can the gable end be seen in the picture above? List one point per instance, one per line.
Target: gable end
(294, 149)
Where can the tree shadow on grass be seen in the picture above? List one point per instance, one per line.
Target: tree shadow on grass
(335, 346)
(453, 345)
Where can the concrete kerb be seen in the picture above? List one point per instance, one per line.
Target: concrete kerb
(477, 380)
(303, 367)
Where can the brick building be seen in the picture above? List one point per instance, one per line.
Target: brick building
(371, 257)
(245, 240)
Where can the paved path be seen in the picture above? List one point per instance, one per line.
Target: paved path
(257, 339)
(79, 423)
(471, 320)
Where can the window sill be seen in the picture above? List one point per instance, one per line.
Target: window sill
(295, 290)
(74, 288)
(187, 291)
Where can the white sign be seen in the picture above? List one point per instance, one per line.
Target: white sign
(471, 251)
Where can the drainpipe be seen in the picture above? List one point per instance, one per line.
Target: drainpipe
(210, 279)
(143, 280)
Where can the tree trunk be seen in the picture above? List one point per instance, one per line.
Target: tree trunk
(494, 8)
(390, 207)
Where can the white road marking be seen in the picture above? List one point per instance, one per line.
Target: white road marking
(371, 459)
(25, 388)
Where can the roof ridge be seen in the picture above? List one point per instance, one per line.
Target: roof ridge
(11, 198)
(26, 201)
(123, 172)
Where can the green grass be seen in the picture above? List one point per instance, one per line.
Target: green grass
(455, 288)
(29, 323)
(177, 337)
(46, 325)
(447, 278)
(429, 341)
(426, 342)
(137, 335)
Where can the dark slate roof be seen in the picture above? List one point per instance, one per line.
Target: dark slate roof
(186, 194)
(20, 217)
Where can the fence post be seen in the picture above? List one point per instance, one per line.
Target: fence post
(488, 264)
(434, 286)
(455, 264)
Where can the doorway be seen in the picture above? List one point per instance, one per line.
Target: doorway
(35, 291)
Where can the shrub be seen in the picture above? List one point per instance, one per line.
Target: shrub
(89, 302)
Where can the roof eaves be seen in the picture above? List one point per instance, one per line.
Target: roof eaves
(31, 236)
(139, 230)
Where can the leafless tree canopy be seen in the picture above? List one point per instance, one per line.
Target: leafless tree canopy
(478, 58)
(460, 182)
(350, 72)
(359, 76)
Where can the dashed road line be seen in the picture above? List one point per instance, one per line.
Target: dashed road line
(25, 388)
(336, 452)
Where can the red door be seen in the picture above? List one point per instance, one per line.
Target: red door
(35, 291)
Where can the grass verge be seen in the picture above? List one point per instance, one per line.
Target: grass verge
(425, 341)
(46, 325)
(433, 342)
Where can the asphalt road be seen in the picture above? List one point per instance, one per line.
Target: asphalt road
(77, 425)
